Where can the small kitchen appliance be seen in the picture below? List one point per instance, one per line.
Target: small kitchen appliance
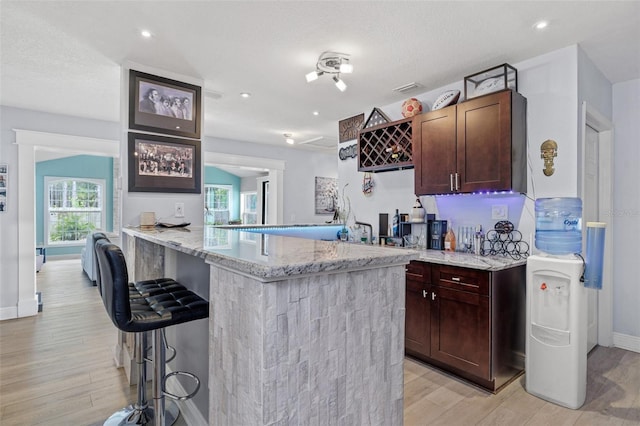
(438, 230)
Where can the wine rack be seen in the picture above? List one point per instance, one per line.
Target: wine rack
(385, 147)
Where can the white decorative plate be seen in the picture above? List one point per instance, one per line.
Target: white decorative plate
(447, 98)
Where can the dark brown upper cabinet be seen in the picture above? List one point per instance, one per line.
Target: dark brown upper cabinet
(475, 146)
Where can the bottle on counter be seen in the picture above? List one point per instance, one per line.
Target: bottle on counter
(396, 224)
(450, 240)
(478, 240)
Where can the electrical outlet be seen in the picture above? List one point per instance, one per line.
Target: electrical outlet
(499, 212)
(179, 210)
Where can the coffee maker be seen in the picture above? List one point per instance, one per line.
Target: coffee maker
(436, 230)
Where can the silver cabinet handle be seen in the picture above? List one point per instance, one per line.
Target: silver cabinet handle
(433, 296)
(451, 181)
(425, 293)
(455, 279)
(457, 186)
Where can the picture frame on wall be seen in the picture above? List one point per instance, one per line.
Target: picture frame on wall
(162, 105)
(163, 164)
(326, 195)
(4, 173)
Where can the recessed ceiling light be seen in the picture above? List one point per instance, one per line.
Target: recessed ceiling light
(315, 113)
(288, 139)
(245, 94)
(145, 33)
(541, 25)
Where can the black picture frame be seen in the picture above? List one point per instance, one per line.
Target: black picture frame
(164, 164)
(154, 116)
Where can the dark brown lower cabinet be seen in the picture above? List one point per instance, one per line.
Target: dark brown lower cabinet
(467, 321)
(417, 313)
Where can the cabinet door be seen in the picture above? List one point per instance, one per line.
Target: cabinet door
(434, 151)
(417, 310)
(460, 320)
(484, 143)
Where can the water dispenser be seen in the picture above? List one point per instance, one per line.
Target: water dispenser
(556, 337)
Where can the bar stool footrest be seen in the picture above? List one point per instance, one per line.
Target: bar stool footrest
(181, 397)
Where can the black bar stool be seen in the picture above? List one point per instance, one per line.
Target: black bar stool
(153, 312)
(141, 412)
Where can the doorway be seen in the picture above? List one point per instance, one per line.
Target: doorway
(597, 202)
(274, 197)
(29, 142)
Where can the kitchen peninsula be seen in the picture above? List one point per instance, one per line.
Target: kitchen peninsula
(300, 330)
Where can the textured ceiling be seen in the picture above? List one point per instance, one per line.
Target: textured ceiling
(65, 56)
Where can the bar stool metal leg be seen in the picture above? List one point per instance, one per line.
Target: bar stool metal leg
(165, 414)
(139, 413)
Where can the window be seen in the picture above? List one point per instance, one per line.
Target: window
(217, 204)
(248, 211)
(75, 206)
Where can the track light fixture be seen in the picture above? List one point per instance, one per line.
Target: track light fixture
(339, 83)
(332, 63)
(288, 138)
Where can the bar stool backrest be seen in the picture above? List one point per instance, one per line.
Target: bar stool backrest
(97, 236)
(115, 283)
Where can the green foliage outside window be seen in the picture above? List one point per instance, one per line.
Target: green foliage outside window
(71, 227)
(75, 209)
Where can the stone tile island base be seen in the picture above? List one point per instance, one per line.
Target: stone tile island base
(320, 349)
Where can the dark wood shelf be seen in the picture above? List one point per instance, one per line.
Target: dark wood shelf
(373, 143)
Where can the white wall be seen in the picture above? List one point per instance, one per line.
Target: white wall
(549, 82)
(301, 167)
(626, 211)
(555, 85)
(15, 118)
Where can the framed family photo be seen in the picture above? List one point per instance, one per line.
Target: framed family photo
(4, 169)
(161, 105)
(163, 164)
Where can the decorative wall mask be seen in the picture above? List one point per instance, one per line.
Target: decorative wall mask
(548, 151)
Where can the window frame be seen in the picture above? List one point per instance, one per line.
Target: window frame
(242, 207)
(229, 209)
(49, 180)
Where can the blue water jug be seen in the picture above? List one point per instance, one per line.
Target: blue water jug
(559, 225)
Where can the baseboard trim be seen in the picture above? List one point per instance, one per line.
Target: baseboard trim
(8, 313)
(624, 341)
(188, 409)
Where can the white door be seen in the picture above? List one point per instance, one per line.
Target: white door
(590, 213)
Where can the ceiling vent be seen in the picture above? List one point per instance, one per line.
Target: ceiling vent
(212, 94)
(409, 87)
(320, 142)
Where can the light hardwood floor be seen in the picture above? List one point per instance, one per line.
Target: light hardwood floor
(56, 369)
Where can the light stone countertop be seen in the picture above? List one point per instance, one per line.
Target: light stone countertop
(272, 257)
(468, 260)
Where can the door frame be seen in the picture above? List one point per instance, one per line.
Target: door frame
(275, 169)
(29, 142)
(591, 117)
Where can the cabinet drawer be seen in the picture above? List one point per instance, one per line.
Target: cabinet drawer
(419, 271)
(463, 279)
